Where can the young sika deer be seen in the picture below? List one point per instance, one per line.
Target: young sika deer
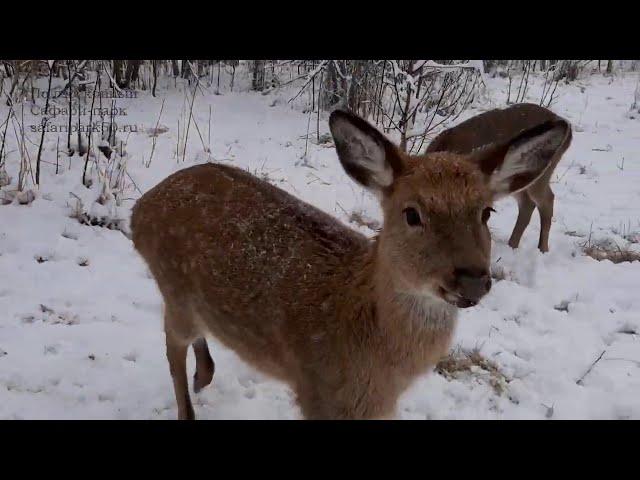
(499, 126)
(346, 321)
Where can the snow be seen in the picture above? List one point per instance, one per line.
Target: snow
(81, 319)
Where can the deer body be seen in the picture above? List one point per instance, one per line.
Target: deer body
(499, 126)
(348, 322)
(291, 290)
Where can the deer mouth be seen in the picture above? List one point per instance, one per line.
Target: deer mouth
(456, 299)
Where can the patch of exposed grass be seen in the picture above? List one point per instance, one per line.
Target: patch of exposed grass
(462, 363)
(613, 253)
(608, 249)
(359, 218)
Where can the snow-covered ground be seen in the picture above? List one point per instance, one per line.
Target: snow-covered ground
(80, 318)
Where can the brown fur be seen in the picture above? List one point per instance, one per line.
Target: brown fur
(277, 303)
(346, 321)
(498, 127)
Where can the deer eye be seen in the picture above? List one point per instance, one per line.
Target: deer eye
(412, 217)
(486, 213)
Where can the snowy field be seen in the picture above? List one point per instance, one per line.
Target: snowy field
(81, 320)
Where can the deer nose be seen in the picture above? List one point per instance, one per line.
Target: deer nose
(472, 283)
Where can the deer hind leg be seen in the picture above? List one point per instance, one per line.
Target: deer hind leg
(178, 338)
(525, 210)
(177, 356)
(205, 367)
(544, 200)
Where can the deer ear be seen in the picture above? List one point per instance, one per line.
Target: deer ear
(365, 153)
(516, 164)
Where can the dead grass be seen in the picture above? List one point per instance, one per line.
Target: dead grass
(359, 218)
(613, 253)
(498, 273)
(608, 249)
(464, 363)
(84, 218)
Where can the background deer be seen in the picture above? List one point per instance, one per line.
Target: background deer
(346, 321)
(499, 126)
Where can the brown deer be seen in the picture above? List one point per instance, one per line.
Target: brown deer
(348, 322)
(499, 126)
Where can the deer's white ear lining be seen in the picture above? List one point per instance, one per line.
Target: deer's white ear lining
(530, 157)
(360, 151)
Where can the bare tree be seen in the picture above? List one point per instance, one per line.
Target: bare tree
(257, 75)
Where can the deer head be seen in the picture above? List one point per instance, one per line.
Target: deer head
(435, 241)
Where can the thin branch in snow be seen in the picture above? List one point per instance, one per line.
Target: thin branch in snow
(580, 380)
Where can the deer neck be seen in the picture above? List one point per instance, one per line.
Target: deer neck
(408, 333)
(397, 310)
(411, 313)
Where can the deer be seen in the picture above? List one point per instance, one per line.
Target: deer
(497, 126)
(348, 322)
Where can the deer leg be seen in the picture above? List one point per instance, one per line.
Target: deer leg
(177, 356)
(544, 201)
(205, 367)
(525, 210)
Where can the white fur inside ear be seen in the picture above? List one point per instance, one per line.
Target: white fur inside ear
(531, 156)
(363, 150)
